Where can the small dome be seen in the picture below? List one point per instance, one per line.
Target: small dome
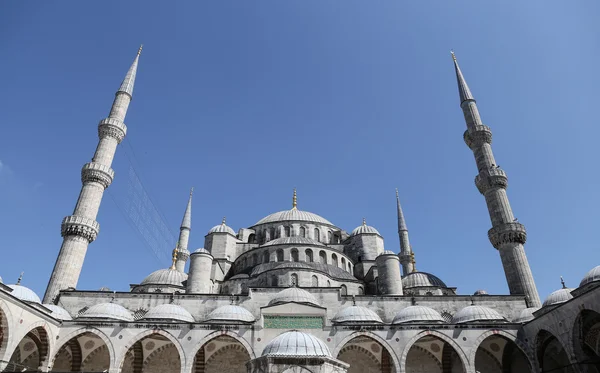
(293, 215)
(222, 228)
(417, 314)
(293, 241)
(107, 311)
(526, 315)
(476, 313)
(295, 343)
(202, 251)
(364, 229)
(168, 312)
(419, 279)
(356, 314)
(558, 296)
(58, 312)
(480, 292)
(23, 293)
(230, 313)
(387, 252)
(295, 295)
(592, 276)
(104, 288)
(165, 277)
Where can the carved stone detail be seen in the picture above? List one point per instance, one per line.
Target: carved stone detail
(96, 172)
(476, 136)
(80, 226)
(494, 177)
(113, 128)
(507, 233)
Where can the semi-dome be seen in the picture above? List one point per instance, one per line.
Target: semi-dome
(558, 296)
(295, 343)
(419, 279)
(230, 313)
(356, 314)
(293, 215)
(526, 315)
(293, 241)
(24, 293)
(417, 314)
(364, 229)
(295, 295)
(107, 311)
(476, 313)
(480, 292)
(168, 312)
(222, 228)
(58, 312)
(592, 276)
(165, 277)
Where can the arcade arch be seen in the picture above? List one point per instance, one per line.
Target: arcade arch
(222, 354)
(31, 352)
(551, 354)
(366, 355)
(84, 352)
(432, 354)
(153, 353)
(498, 354)
(586, 340)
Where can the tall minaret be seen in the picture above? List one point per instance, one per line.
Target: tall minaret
(406, 255)
(81, 228)
(184, 236)
(507, 234)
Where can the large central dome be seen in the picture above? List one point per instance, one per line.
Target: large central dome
(293, 215)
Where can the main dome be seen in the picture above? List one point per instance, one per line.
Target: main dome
(165, 277)
(295, 343)
(293, 215)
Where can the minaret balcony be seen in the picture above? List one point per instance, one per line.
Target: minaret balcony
(493, 177)
(507, 233)
(111, 127)
(79, 226)
(96, 172)
(477, 135)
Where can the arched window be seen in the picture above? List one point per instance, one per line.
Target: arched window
(349, 267)
(309, 256)
(272, 234)
(343, 290)
(322, 257)
(317, 235)
(328, 283)
(329, 237)
(280, 255)
(334, 260)
(274, 280)
(302, 232)
(252, 238)
(294, 280)
(294, 255)
(315, 281)
(343, 263)
(265, 257)
(254, 259)
(287, 231)
(361, 291)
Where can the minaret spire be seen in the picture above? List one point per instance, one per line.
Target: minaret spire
(183, 253)
(507, 234)
(81, 228)
(295, 201)
(406, 255)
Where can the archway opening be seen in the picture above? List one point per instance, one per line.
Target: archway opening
(586, 340)
(551, 354)
(3, 332)
(86, 353)
(498, 354)
(31, 352)
(366, 355)
(152, 354)
(221, 354)
(431, 354)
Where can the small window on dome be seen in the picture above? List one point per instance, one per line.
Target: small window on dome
(329, 237)
(323, 257)
(286, 231)
(334, 260)
(280, 255)
(272, 234)
(302, 232)
(274, 280)
(266, 257)
(294, 280)
(317, 235)
(309, 256)
(361, 291)
(343, 290)
(343, 263)
(315, 281)
(294, 255)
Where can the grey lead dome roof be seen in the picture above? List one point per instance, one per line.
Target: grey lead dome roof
(168, 312)
(364, 229)
(24, 293)
(558, 296)
(295, 295)
(293, 241)
(165, 277)
(526, 315)
(295, 343)
(356, 314)
(230, 313)
(418, 279)
(417, 314)
(222, 228)
(107, 311)
(476, 313)
(293, 215)
(58, 312)
(592, 276)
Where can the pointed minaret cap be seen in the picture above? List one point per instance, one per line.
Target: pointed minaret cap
(187, 216)
(401, 221)
(128, 82)
(463, 89)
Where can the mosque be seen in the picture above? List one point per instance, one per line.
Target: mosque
(295, 293)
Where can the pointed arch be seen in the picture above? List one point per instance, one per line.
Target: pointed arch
(32, 349)
(218, 347)
(69, 352)
(5, 332)
(393, 363)
(586, 338)
(551, 353)
(505, 349)
(148, 334)
(452, 346)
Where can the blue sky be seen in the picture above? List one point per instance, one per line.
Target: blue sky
(344, 101)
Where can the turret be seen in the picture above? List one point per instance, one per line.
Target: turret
(200, 272)
(388, 268)
(184, 236)
(406, 255)
(81, 228)
(364, 246)
(507, 235)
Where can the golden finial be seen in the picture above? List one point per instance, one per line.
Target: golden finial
(452, 53)
(295, 201)
(175, 251)
(20, 278)
(413, 261)
(140, 50)
(364, 222)
(223, 221)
